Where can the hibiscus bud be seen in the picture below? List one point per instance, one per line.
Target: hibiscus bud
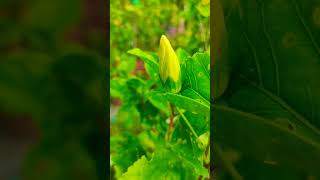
(169, 66)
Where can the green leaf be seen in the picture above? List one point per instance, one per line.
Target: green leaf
(264, 140)
(136, 171)
(117, 87)
(129, 90)
(188, 103)
(164, 164)
(198, 74)
(182, 55)
(191, 93)
(199, 122)
(221, 62)
(150, 59)
(188, 145)
(126, 150)
(159, 101)
(273, 96)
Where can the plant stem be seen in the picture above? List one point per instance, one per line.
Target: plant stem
(171, 117)
(171, 123)
(188, 123)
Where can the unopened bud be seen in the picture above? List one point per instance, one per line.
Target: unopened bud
(169, 66)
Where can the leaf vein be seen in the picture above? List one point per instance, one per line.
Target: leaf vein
(274, 57)
(254, 52)
(307, 29)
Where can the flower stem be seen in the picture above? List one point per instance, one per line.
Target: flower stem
(188, 123)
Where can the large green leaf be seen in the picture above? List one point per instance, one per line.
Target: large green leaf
(271, 108)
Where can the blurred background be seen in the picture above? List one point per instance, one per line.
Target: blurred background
(53, 89)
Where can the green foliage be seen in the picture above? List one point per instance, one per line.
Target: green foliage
(53, 72)
(268, 116)
(165, 164)
(174, 155)
(46, 160)
(157, 134)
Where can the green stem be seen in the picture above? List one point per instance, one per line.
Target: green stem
(188, 123)
(171, 123)
(171, 117)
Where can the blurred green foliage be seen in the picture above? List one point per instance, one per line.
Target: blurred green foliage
(140, 26)
(54, 69)
(143, 145)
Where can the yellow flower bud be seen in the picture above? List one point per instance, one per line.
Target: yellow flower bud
(169, 66)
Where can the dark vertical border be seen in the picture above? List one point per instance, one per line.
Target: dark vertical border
(211, 92)
(106, 6)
